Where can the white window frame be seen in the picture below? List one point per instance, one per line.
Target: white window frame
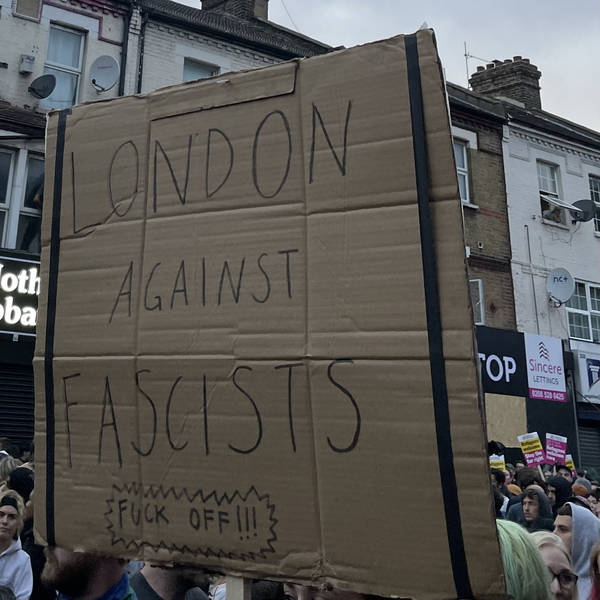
(464, 144)
(478, 318)
(190, 59)
(546, 208)
(587, 313)
(595, 197)
(6, 207)
(67, 68)
(25, 210)
(15, 197)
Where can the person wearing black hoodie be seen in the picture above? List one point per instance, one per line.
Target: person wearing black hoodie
(534, 512)
(559, 491)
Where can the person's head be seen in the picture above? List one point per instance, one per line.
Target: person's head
(595, 572)
(7, 465)
(498, 478)
(594, 501)
(526, 574)
(11, 518)
(559, 490)
(558, 560)
(565, 472)
(78, 574)
(21, 480)
(531, 505)
(519, 465)
(563, 525)
(581, 489)
(528, 476)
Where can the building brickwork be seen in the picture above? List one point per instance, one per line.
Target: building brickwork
(485, 217)
(515, 79)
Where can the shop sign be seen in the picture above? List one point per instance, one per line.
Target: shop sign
(502, 357)
(19, 290)
(545, 368)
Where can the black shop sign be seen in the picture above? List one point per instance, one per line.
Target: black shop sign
(19, 291)
(502, 359)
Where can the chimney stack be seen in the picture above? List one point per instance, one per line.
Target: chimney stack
(243, 9)
(515, 78)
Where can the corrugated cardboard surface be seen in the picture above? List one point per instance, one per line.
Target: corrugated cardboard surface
(240, 359)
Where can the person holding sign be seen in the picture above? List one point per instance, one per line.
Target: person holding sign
(85, 576)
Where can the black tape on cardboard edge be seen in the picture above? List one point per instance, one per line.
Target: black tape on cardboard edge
(460, 570)
(50, 318)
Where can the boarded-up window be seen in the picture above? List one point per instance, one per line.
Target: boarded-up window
(29, 9)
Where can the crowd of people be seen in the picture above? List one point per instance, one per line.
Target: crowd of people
(548, 528)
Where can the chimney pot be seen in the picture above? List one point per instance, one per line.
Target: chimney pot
(515, 79)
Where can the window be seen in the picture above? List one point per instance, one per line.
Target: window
(6, 169)
(64, 61)
(548, 185)
(595, 196)
(462, 169)
(583, 311)
(20, 214)
(476, 290)
(30, 216)
(28, 9)
(194, 69)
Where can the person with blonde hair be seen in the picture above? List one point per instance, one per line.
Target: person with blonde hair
(558, 560)
(595, 572)
(7, 465)
(15, 566)
(526, 574)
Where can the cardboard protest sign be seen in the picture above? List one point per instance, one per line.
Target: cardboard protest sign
(532, 449)
(254, 317)
(497, 462)
(556, 448)
(569, 462)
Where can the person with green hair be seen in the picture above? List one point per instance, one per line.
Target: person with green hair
(526, 575)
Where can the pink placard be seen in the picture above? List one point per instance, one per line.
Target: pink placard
(556, 448)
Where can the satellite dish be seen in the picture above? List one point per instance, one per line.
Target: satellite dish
(560, 285)
(104, 73)
(584, 212)
(42, 87)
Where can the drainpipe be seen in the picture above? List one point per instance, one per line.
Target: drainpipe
(141, 59)
(537, 320)
(124, 50)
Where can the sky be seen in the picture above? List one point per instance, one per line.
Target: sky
(561, 38)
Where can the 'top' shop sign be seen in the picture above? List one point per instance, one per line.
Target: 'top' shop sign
(545, 369)
(19, 290)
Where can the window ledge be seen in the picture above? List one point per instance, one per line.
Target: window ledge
(474, 206)
(555, 224)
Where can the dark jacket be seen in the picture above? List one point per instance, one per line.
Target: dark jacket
(545, 520)
(563, 490)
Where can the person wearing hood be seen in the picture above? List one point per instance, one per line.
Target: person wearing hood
(15, 566)
(559, 491)
(579, 530)
(534, 512)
